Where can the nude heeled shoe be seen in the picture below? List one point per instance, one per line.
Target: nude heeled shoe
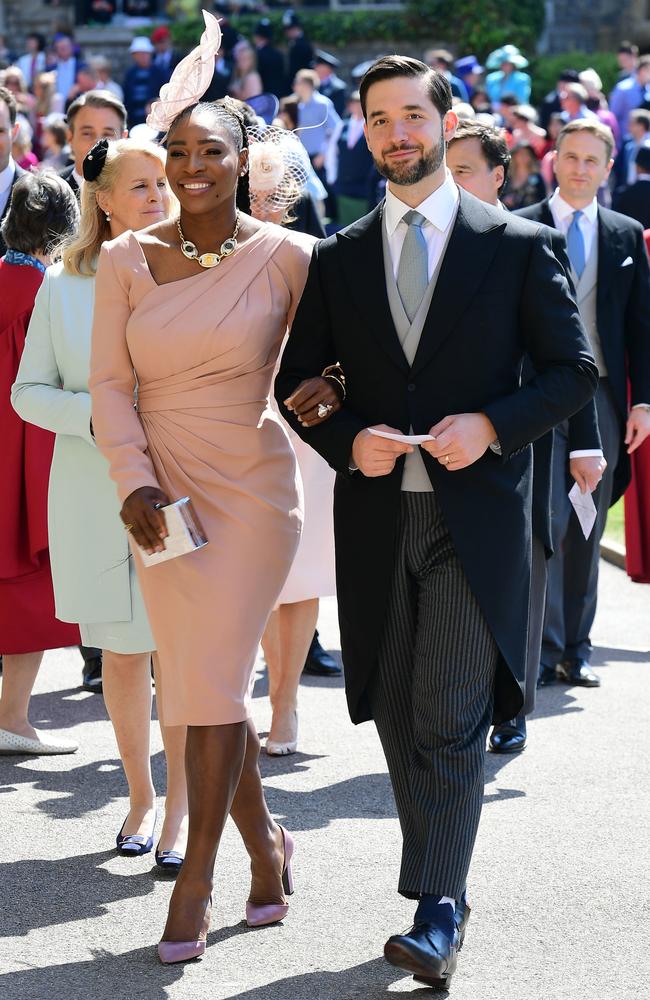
(262, 914)
(170, 952)
(275, 748)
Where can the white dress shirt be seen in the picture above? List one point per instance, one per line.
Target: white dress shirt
(439, 209)
(562, 214)
(66, 74)
(6, 180)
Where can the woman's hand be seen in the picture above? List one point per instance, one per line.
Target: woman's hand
(311, 393)
(143, 520)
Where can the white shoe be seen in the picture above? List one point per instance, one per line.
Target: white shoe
(275, 749)
(12, 743)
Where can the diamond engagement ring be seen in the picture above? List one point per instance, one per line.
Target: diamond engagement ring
(324, 409)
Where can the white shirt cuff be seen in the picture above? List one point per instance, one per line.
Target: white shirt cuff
(587, 453)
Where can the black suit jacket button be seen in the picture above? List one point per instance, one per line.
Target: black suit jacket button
(411, 387)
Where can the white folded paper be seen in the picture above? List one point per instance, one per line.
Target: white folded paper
(585, 508)
(185, 533)
(402, 438)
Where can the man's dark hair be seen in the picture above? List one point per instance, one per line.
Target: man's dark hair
(510, 100)
(569, 76)
(493, 143)
(391, 67)
(40, 40)
(42, 213)
(629, 48)
(96, 99)
(8, 98)
(642, 117)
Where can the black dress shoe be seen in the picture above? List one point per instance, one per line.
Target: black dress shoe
(92, 675)
(426, 952)
(509, 737)
(578, 673)
(461, 919)
(319, 662)
(546, 676)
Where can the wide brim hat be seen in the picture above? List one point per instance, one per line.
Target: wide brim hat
(507, 53)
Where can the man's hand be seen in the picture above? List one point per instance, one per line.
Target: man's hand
(637, 429)
(461, 439)
(375, 456)
(587, 472)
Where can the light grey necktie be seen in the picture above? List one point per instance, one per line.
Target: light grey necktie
(413, 270)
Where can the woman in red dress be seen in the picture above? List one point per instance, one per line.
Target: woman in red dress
(43, 210)
(637, 507)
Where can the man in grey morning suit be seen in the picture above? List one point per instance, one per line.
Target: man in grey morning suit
(429, 304)
(610, 271)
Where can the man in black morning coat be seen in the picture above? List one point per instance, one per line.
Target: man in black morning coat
(429, 304)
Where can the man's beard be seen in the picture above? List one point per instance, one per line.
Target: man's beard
(412, 173)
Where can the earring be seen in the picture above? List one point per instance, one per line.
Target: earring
(243, 173)
(108, 216)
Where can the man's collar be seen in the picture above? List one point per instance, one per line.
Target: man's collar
(563, 210)
(78, 178)
(438, 208)
(7, 175)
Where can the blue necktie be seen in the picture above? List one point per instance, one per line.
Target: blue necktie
(576, 244)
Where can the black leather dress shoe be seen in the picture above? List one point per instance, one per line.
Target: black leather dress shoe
(92, 675)
(578, 673)
(546, 676)
(319, 662)
(461, 919)
(509, 737)
(426, 952)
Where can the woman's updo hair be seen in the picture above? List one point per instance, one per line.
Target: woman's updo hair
(226, 113)
(80, 255)
(43, 212)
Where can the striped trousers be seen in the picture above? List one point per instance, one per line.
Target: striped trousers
(431, 698)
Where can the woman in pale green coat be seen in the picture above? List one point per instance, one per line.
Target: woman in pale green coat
(94, 579)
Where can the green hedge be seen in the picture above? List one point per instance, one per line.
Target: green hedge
(468, 25)
(546, 69)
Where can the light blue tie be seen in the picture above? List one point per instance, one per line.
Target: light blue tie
(576, 244)
(413, 270)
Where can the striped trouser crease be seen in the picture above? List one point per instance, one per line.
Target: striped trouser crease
(431, 699)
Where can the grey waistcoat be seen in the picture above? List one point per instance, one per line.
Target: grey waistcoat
(415, 478)
(587, 295)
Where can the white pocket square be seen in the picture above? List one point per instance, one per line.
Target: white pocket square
(627, 262)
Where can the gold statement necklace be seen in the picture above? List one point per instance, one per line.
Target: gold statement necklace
(211, 258)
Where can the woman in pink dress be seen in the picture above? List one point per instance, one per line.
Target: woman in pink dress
(196, 310)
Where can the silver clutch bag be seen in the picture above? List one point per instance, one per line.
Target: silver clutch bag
(185, 532)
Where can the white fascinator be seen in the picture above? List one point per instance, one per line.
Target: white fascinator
(190, 79)
(278, 169)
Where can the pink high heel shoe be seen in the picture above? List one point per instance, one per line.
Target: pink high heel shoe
(261, 914)
(170, 952)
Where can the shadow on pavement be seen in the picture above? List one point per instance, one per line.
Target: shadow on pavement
(63, 891)
(137, 975)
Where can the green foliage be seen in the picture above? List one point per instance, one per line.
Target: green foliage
(479, 26)
(326, 28)
(546, 69)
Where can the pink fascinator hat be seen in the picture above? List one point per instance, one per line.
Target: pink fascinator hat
(190, 79)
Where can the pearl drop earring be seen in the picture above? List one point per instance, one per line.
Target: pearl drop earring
(108, 216)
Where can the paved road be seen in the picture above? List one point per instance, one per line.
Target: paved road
(557, 883)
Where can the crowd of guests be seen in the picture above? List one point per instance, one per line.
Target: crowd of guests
(100, 237)
(302, 86)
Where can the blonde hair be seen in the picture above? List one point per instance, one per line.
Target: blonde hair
(80, 254)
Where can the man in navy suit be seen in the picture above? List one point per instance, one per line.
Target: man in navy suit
(612, 280)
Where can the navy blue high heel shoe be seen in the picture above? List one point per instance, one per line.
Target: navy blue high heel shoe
(134, 845)
(169, 862)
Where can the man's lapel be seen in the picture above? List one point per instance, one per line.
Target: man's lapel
(363, 266)
(610, 256)
(472, 245)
